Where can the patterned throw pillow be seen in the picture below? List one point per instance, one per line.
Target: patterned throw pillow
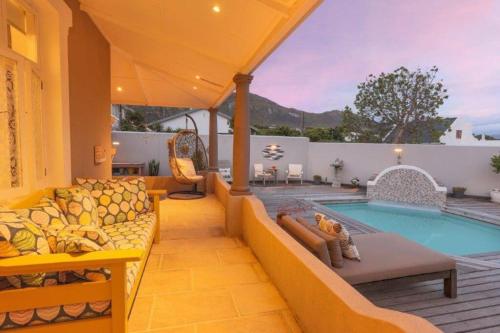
(78, 239)
(78, 206)
(137, 187)
(47, 214)
(92, 184)
(19, 237)
(334, 228)
(114, 205)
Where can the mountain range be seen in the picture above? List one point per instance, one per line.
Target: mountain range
(263, 113)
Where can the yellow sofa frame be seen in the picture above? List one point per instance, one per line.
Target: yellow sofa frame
(114, 289)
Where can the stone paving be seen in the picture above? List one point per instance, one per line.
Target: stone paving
(198, 281)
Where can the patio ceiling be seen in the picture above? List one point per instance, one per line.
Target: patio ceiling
(184, 53)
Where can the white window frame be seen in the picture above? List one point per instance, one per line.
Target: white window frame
(25, 67)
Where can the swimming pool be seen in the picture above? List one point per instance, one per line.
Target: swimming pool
(440, 231)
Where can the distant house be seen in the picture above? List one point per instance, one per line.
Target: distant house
(460, 133)
(200, 116)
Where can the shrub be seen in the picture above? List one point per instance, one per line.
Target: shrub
(495, 163)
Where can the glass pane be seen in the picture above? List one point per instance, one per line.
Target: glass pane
(36, 110)
(21, 25)
(10, 167)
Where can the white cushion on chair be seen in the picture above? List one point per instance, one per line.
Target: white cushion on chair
(295, 170)
(186, 167)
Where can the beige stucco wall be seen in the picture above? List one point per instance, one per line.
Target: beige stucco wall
(321, 300)
(89, 94)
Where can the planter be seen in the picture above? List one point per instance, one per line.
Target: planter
(459, 192)
(495, 195)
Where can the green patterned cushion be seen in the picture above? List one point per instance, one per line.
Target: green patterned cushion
(114, 205)
(92, 184)
(137, 187)
(78, 239)
(78, 205)
(132, 235)
(53, 315)
(47, 214)
(19, 237)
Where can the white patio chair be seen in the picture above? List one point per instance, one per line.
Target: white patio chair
(226, 174)
(259, 173)
(294, 172)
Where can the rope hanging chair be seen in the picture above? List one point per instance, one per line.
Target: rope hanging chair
(189, 163)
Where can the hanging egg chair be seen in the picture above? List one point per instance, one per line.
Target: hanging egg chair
(188, 161)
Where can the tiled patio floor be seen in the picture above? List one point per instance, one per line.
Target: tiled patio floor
(198, 281)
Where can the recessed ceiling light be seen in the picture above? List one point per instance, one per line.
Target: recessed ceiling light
(195, 87)
(197, 77)
(216, 9)
(119, 89)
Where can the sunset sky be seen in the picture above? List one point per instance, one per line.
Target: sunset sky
(319, 66)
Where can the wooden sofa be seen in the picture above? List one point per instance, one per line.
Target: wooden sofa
(384, 256)
(116, 295)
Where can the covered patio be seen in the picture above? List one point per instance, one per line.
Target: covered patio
(218, 264)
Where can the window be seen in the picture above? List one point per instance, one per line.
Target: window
(21, 30)
(10, 160)
(21, 114)
(459, 134)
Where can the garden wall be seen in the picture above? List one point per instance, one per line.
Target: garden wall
(450, 165)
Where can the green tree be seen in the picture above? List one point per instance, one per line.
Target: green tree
(156, 127)
(404, 102)
(357, 128)
(317, 134)
(279, 131)
(133, 122)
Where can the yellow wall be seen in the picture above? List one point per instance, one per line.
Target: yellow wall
(90, 95)
(321, 300)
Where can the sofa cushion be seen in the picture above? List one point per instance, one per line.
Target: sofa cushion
(137, 187)
(19, 237)
(78, 239)
(332, 243)
(144, 228)
(389, 256)
(53, 314)
(315, 244)
(137, 234)
(78, 205)
(114, 205)
(46, 214)
(92, 184)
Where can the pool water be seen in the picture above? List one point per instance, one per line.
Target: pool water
(437, 230)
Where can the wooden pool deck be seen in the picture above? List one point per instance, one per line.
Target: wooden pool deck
(477, 307)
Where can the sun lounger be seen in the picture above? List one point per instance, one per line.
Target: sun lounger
(384, 256)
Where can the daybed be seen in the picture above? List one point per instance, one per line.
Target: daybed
(78, 305)
(384, 256)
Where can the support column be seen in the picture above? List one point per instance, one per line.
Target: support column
(213, 154)
(241, 136)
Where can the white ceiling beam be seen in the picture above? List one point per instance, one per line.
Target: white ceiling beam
(277, 6)
(176, 44)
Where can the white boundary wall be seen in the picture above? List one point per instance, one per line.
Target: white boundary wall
(465, 166)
